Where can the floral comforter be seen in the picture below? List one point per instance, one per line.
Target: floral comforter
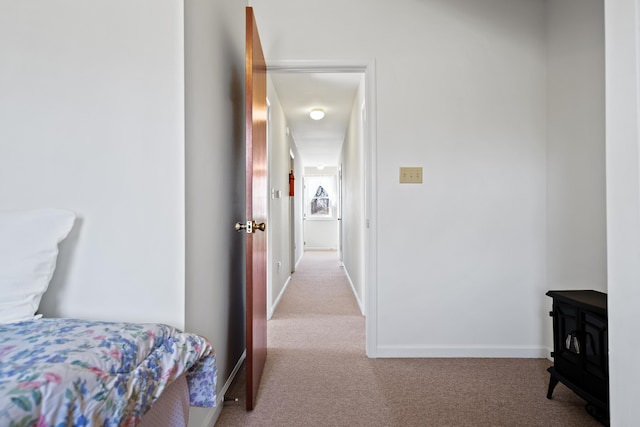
(68, 372)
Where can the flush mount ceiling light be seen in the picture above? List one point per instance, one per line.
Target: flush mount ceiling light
(316, 113)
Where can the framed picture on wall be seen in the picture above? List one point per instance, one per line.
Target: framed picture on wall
(320, 196)
(321, 204)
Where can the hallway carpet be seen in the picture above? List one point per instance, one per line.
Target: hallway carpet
(317, 373)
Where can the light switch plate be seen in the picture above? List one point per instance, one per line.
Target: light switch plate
(411, 175)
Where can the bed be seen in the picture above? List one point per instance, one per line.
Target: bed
(73, 372)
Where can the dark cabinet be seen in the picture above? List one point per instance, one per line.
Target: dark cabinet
(580, 347)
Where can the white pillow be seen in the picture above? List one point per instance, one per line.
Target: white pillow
(28, 251)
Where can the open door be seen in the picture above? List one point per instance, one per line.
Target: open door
(256, 202)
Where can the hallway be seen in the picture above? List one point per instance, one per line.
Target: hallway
(316, 340)
(317, 373)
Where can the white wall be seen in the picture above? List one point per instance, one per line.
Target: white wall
(461, 92)
(93, 100)
(278, 227)
(321, 235)
(92, 120)
(353, 209)
(576, 214)
(215, 183)
(623, 205)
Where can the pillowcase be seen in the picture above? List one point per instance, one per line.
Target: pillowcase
(28, 252)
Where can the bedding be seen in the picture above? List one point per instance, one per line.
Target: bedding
(28, 252)
(70, 372)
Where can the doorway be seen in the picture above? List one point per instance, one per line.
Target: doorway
(356, 165)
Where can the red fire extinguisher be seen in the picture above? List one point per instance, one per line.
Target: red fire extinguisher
(292, 180)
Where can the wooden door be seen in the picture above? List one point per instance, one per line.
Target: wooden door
(256, 202)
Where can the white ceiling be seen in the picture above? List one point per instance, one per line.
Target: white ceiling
(319, 142)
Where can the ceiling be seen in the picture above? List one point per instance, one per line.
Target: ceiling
(319, 141)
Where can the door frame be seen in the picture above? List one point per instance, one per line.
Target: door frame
(292, 215)
(339, 213)
(368, 68)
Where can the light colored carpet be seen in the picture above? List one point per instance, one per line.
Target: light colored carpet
(317, 373)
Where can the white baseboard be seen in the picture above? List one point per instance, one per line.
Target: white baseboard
(203, 417)
(232, 377)
(272, 309)
(353, 289)
(517, 352)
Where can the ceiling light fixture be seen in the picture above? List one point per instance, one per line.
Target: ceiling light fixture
(317, 114)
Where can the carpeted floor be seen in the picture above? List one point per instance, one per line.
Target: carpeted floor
(317, 373)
